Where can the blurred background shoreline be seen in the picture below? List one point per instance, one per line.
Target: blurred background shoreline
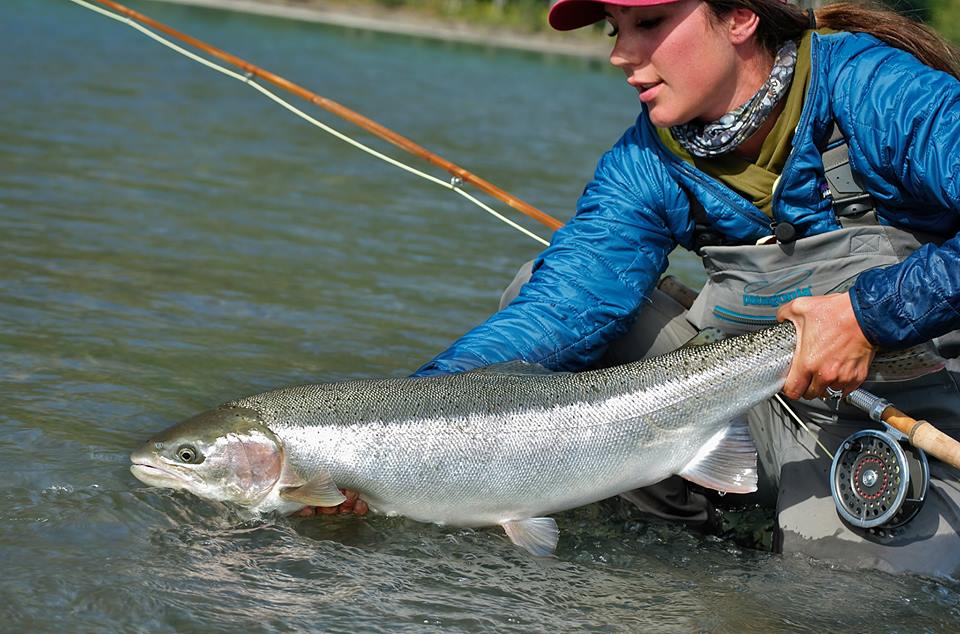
(515, 24)
(519, 25)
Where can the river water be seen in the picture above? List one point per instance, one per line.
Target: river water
(170, 240)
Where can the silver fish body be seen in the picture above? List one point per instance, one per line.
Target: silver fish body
(509, 443)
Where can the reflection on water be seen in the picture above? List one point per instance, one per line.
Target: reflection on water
(169, 241)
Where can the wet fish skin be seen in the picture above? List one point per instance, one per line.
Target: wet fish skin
(504, 445)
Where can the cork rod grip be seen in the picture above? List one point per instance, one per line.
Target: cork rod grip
(925, 436)
(936, 443)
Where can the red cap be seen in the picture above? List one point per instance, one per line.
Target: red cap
(566, 15)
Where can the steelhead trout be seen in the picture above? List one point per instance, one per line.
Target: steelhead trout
(507, 444)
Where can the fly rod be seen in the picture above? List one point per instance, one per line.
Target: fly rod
(459, 174)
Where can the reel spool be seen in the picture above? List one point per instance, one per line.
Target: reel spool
(878, 479)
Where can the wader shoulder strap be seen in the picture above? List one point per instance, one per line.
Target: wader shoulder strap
(851, 203)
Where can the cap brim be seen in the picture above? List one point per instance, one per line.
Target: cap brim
(567, 15)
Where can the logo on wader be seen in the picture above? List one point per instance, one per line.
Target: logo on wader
(777, 291)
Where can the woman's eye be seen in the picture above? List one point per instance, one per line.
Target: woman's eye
(641, 25)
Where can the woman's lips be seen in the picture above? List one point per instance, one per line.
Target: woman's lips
(648, 92)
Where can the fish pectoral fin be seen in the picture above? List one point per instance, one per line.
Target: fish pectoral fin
(319, 491)
(537, 535)
(728, 462)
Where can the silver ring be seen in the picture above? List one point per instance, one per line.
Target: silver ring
(833, 393)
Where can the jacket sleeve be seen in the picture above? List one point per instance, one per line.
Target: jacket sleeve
(587, 287)
(903, 119)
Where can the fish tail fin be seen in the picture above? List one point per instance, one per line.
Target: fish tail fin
(728, 462)
(904, 365)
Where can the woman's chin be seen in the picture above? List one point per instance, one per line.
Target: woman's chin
(660, 118)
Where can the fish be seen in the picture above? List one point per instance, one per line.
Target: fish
(508, 444)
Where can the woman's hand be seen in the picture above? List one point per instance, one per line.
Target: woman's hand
(831, 348)
(353, 504)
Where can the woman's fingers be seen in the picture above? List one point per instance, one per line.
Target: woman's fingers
(831, 352)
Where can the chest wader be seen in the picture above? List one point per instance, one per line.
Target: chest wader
(745, 287)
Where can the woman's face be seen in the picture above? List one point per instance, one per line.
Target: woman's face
(683, 64)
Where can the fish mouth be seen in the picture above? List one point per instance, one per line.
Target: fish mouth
(157, 477)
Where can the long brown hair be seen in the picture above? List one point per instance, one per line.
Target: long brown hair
(780, 22)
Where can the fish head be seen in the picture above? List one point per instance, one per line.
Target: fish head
(226, 455)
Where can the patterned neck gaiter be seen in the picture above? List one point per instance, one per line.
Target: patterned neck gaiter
(735, 127)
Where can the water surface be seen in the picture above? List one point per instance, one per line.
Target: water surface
(170, 240)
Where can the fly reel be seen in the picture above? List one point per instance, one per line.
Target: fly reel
(878, 480)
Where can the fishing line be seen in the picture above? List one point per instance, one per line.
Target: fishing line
(799, 421)
(248, 79)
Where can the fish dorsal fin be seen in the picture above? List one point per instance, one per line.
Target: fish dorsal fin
(513, 367)
(728, 462)
(318, 491)
(709, 334)
(537, 535)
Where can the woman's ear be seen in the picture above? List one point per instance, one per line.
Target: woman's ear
(741, 25)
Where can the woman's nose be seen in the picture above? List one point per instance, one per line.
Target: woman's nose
(624, 56)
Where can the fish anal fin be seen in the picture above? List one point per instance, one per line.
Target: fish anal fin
(537, 535)
(728, 462)
(318, 491)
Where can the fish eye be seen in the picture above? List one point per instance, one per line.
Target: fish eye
(186, 453)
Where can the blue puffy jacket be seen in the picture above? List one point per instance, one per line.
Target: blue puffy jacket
(901, 120)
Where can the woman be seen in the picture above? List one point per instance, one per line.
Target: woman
(744, 102)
